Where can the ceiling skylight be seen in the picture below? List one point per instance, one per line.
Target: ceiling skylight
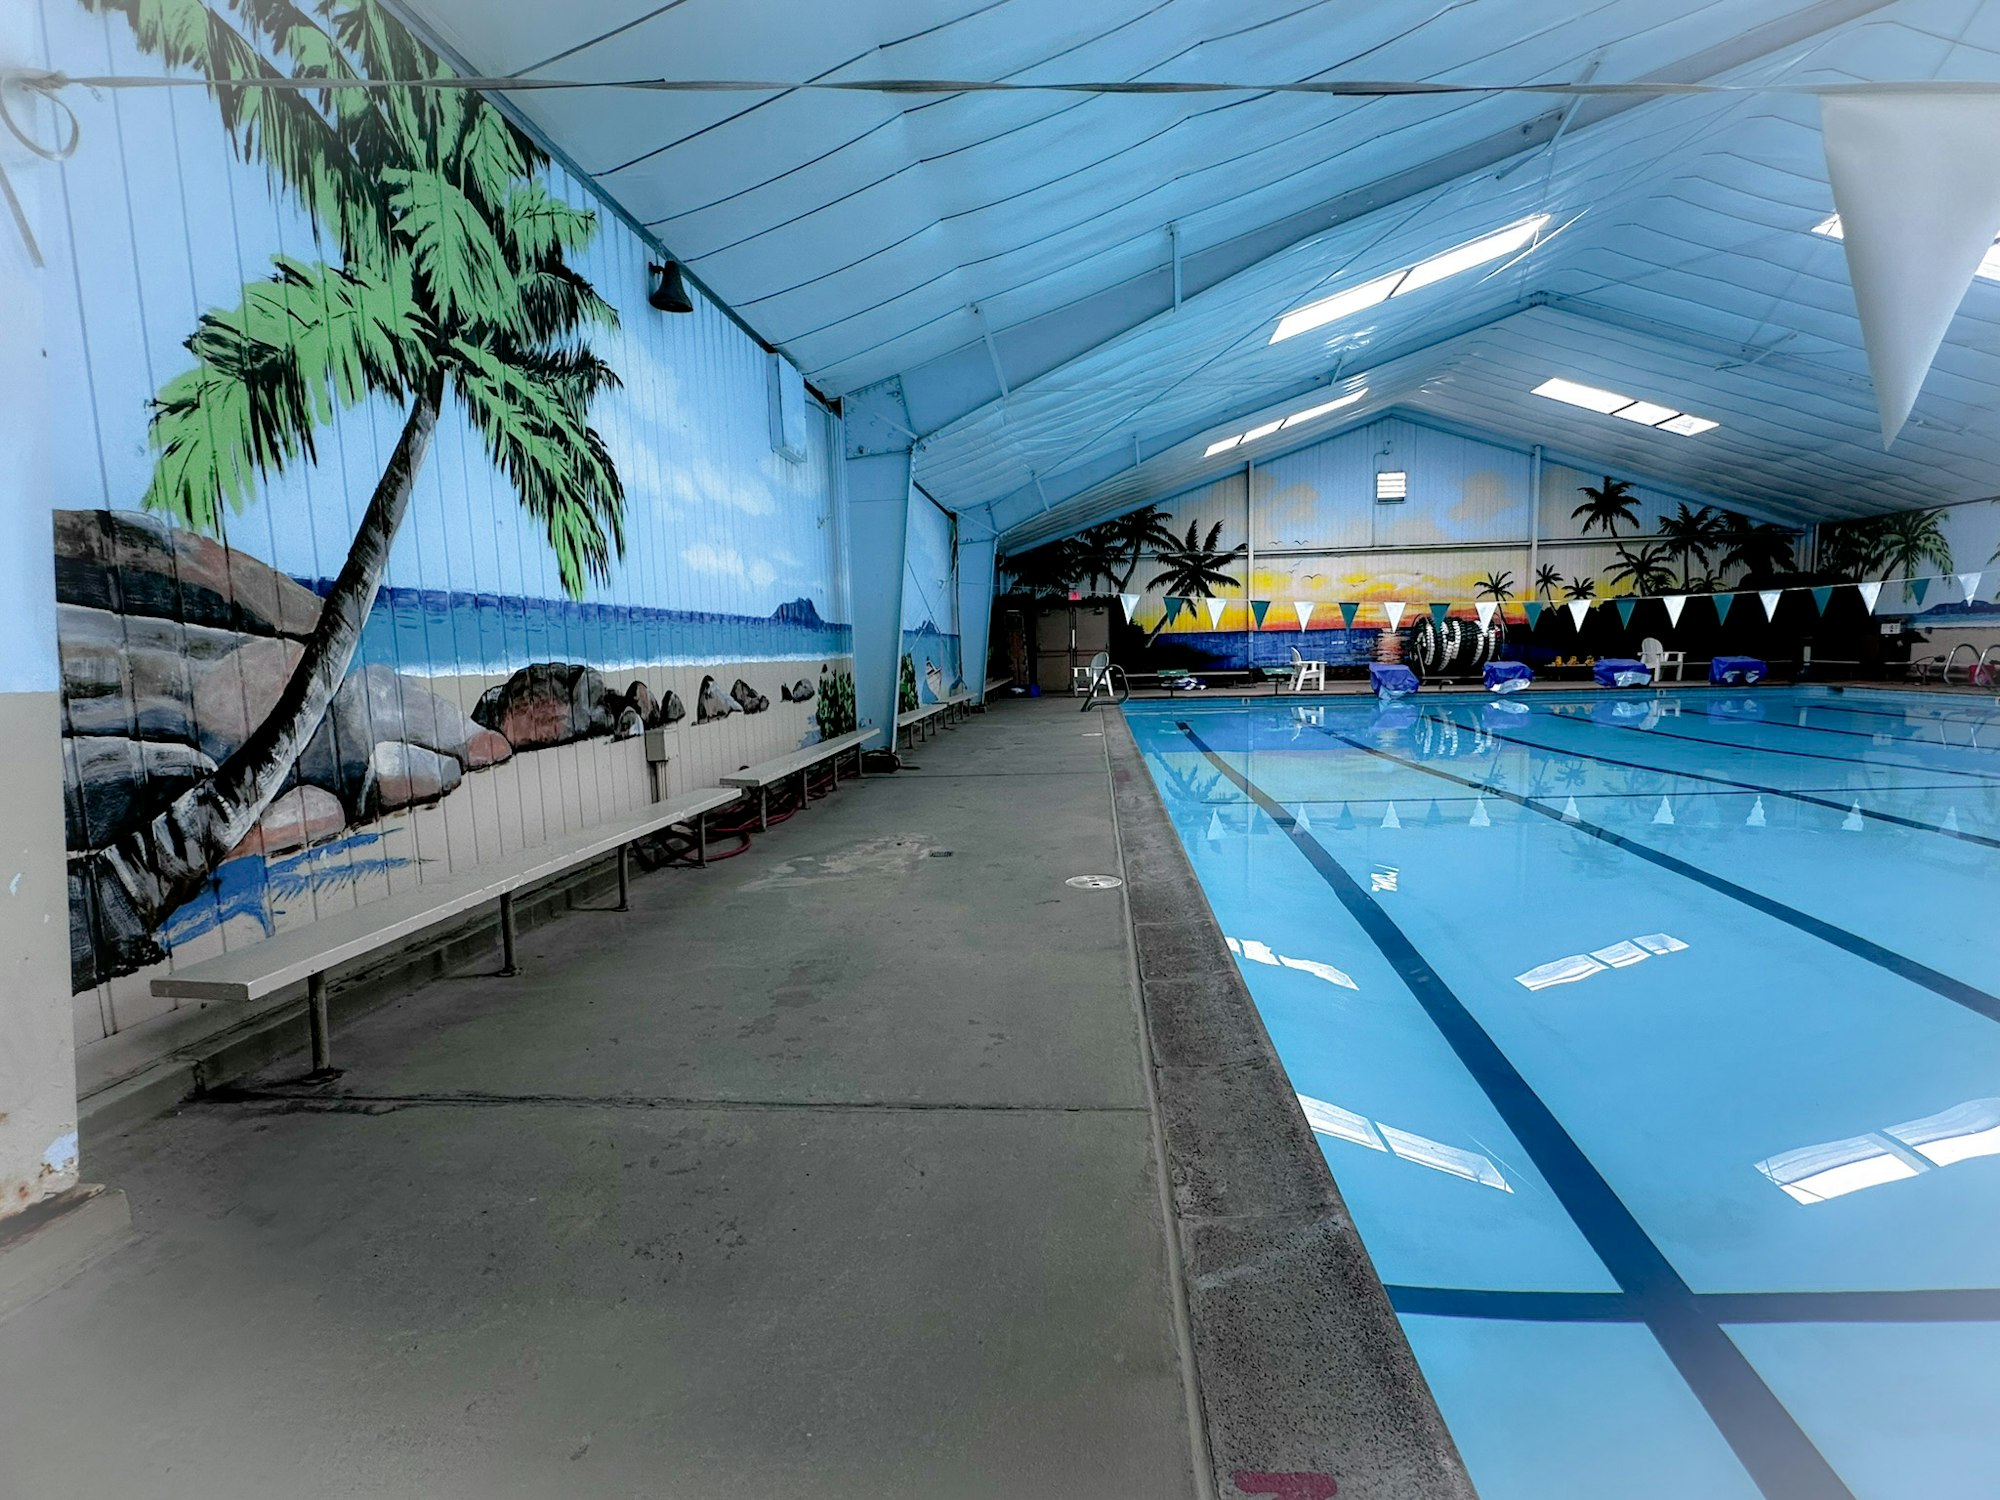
(1482, 251)
(1296, 419)
(1613, 404)
(1989, 268)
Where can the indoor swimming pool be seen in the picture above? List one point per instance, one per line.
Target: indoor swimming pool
(1653, 1040)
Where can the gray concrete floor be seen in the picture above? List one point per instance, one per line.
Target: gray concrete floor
(825, 1172)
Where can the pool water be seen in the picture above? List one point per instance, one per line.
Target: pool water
(1653, 1041)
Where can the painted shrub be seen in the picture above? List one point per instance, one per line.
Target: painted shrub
(411, 516)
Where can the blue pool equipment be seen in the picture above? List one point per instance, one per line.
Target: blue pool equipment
(1747, 670)
(1613, 672)
(1508, 676)
(1392, 682)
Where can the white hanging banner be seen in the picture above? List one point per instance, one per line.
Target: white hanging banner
(1131, 602)
(1305, 609)
(1770, 598)
(1578, 608)
(1970, 583)
(1917, 184)
(1485, 613)
(1675, 603)
(1395, 614)
(1870, 592)
(1214, 613)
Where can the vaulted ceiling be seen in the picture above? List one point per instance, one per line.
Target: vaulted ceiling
(1074, 294)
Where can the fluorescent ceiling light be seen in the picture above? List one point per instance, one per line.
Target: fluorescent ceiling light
(1474, 253)
(1265, 429)
(1487, 248)
(1613, 404)
(1646, 413)
(1989, 268)
(1311, 412)
(1689, 426)
(1587, 396)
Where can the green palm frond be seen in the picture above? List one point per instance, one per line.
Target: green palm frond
(461, 265)
(302, 343)
(530, 412)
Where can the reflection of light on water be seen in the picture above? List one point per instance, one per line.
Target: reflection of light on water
(1384, 878)
(1345, 1125)
(1260, 953)
(1813, 1174)
(1580, 966)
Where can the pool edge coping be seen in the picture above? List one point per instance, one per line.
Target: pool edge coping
(1302, 1365)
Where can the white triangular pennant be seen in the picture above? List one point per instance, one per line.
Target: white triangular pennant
(1485, 613)
(1578, 608)
(1479, 815)
(1305, 609)
(1570, 813)
(1215, 828)
(1389, 818)
(1131, 603)
(1950, 823)
(1770, 598)
(1214, 613)
(1915, 181)
(1300, 821)
(1970, 583)
(1852, 822)
(1756, 818)
(1870, 592)
(1395, 614)
(1675, 603)
(1665, 813)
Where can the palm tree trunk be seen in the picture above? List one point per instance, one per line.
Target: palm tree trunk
(154, 869)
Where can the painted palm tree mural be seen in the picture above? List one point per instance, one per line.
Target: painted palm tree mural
(1497, 586)
(1607, 506)
(1644, 571)
(447, 280)
(1193, 568)
(1548, 578)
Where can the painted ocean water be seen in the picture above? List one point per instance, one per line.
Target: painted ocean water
(448, 632)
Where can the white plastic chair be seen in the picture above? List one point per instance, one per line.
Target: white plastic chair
(1307, 673)
(1660, 659)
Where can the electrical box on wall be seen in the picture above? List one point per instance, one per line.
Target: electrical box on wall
(788, 410)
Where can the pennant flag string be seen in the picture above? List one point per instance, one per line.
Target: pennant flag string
(1395, 614)
(1305, 613)
(1348, 610)
(1770, 598)
(1625, 608)
(1578, 608)
(1214, 607)
(1258, 609)
(1675, 603)
(1131, 603)
(1485, 613)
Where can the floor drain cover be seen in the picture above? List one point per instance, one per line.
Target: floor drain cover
(1094, 882)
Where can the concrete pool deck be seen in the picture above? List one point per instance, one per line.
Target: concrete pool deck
(830, 1171)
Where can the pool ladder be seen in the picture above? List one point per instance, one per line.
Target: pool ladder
(1108, 676)
(1951, 660)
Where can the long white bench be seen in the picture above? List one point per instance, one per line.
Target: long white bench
(913, 724)
(993, 685)
(958, 706)
(800, 763)
(309, 953)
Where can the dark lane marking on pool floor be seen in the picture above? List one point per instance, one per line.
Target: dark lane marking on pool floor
(1765, 1437)
(1947, 987)
(1927, 1305)
(1702, 739)
(1742, 786)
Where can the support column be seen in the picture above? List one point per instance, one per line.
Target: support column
(38, 1143)
(876, 446)
(975, 606)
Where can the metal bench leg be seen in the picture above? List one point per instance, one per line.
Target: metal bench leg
(701, 839)
(316, 1025)
(805, 791)
(624, 878)
(507, 968)
(764, 809)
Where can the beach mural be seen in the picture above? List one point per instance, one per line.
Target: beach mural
(930, 668)
(388, 518)
(1216, 574)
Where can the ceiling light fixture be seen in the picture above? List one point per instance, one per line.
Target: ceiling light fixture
(1296, 419)
(1613, 404)
(1482, 251)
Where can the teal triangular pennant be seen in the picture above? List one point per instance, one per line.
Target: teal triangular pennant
(1174, 607)
(1258, 609)
(1347, 613)
(1533, 607)
(1439, 612)
(1820, 597)
(1722, 607)
(1625, 608)
(1920, 587)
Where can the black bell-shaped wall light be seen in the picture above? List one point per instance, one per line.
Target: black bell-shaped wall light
(669, 293)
